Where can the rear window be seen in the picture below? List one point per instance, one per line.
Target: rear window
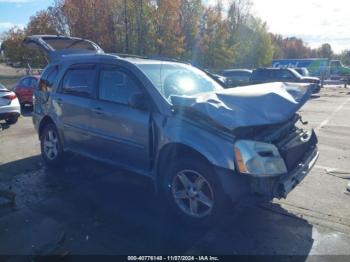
(66, 43)
(25, 82)
(237, 73)
(48, 78)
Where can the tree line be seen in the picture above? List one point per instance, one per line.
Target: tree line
(210, 36)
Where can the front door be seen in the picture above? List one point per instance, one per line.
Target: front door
(120, 131)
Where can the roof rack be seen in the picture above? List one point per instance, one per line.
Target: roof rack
(123, 55)
(160, 58)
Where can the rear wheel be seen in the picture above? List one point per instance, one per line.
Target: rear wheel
(194, 193)
(51, 147)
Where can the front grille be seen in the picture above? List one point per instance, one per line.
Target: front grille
(294, 147)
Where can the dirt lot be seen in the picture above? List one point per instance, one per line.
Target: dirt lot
(90, 208)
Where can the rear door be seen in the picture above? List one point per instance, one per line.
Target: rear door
(72, 103)
(56, 46)
(120, 131)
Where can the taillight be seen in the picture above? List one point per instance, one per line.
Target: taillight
(10, 96)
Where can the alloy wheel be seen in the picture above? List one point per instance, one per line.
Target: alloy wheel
(51, 145)
(192, 193)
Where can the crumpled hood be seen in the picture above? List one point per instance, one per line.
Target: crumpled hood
(254, 105)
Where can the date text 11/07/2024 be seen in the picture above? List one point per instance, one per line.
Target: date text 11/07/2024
(173, 258)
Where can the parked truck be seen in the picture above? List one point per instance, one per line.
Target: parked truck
(319, 67)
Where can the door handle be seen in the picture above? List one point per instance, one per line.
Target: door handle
(97, 110)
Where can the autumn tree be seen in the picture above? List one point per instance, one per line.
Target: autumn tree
(325, 51)
(344, 56)
(215, 50)
(42, 23)
(254, 48)
(90, 19)
(190, 15)
(223, 35)
(169, 40)
(291, 48)
(16, 52)
(238, 15)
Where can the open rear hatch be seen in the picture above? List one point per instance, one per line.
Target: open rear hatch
(54, 47)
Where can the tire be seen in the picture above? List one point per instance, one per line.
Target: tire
(12, 120)
(51, 146)
(203, 201)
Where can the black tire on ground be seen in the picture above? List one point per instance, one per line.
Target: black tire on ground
(192, 167)
(51, 152)
(12, 120)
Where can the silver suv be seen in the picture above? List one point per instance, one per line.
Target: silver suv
(203, 146)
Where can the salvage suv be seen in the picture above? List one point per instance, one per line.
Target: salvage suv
(203, 146)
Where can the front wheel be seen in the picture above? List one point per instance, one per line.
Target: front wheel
(194, 193)
(51, 147)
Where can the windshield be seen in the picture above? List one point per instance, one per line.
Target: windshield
(302, 71)
(295, 72)
(179, 79)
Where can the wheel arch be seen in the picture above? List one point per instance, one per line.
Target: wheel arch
(174, 151)
(44, 122)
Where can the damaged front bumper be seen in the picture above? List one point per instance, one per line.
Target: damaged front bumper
(247, 189)
(280, 187)
(287, 182)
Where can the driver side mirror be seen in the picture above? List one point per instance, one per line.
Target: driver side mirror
(139, 101)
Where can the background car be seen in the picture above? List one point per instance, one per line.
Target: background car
(268, 75)
(302, 71)
(237, 77)
(219, 78)
(10, 108)
(24, 89)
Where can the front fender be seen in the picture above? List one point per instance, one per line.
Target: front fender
(215, 146)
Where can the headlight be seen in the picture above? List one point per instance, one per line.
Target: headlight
(258, 159)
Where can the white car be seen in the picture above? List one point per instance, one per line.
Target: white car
(10, 108)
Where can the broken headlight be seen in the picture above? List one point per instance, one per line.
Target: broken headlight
(258, 159)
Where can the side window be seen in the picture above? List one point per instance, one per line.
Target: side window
(47, 79)
(79, 81)
(285, 74)
(265, 74)
(246, 76)
(116, 86)
(232, 74)
(335, 66)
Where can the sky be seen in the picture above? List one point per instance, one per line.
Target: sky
(315, 21)
(18, 12)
